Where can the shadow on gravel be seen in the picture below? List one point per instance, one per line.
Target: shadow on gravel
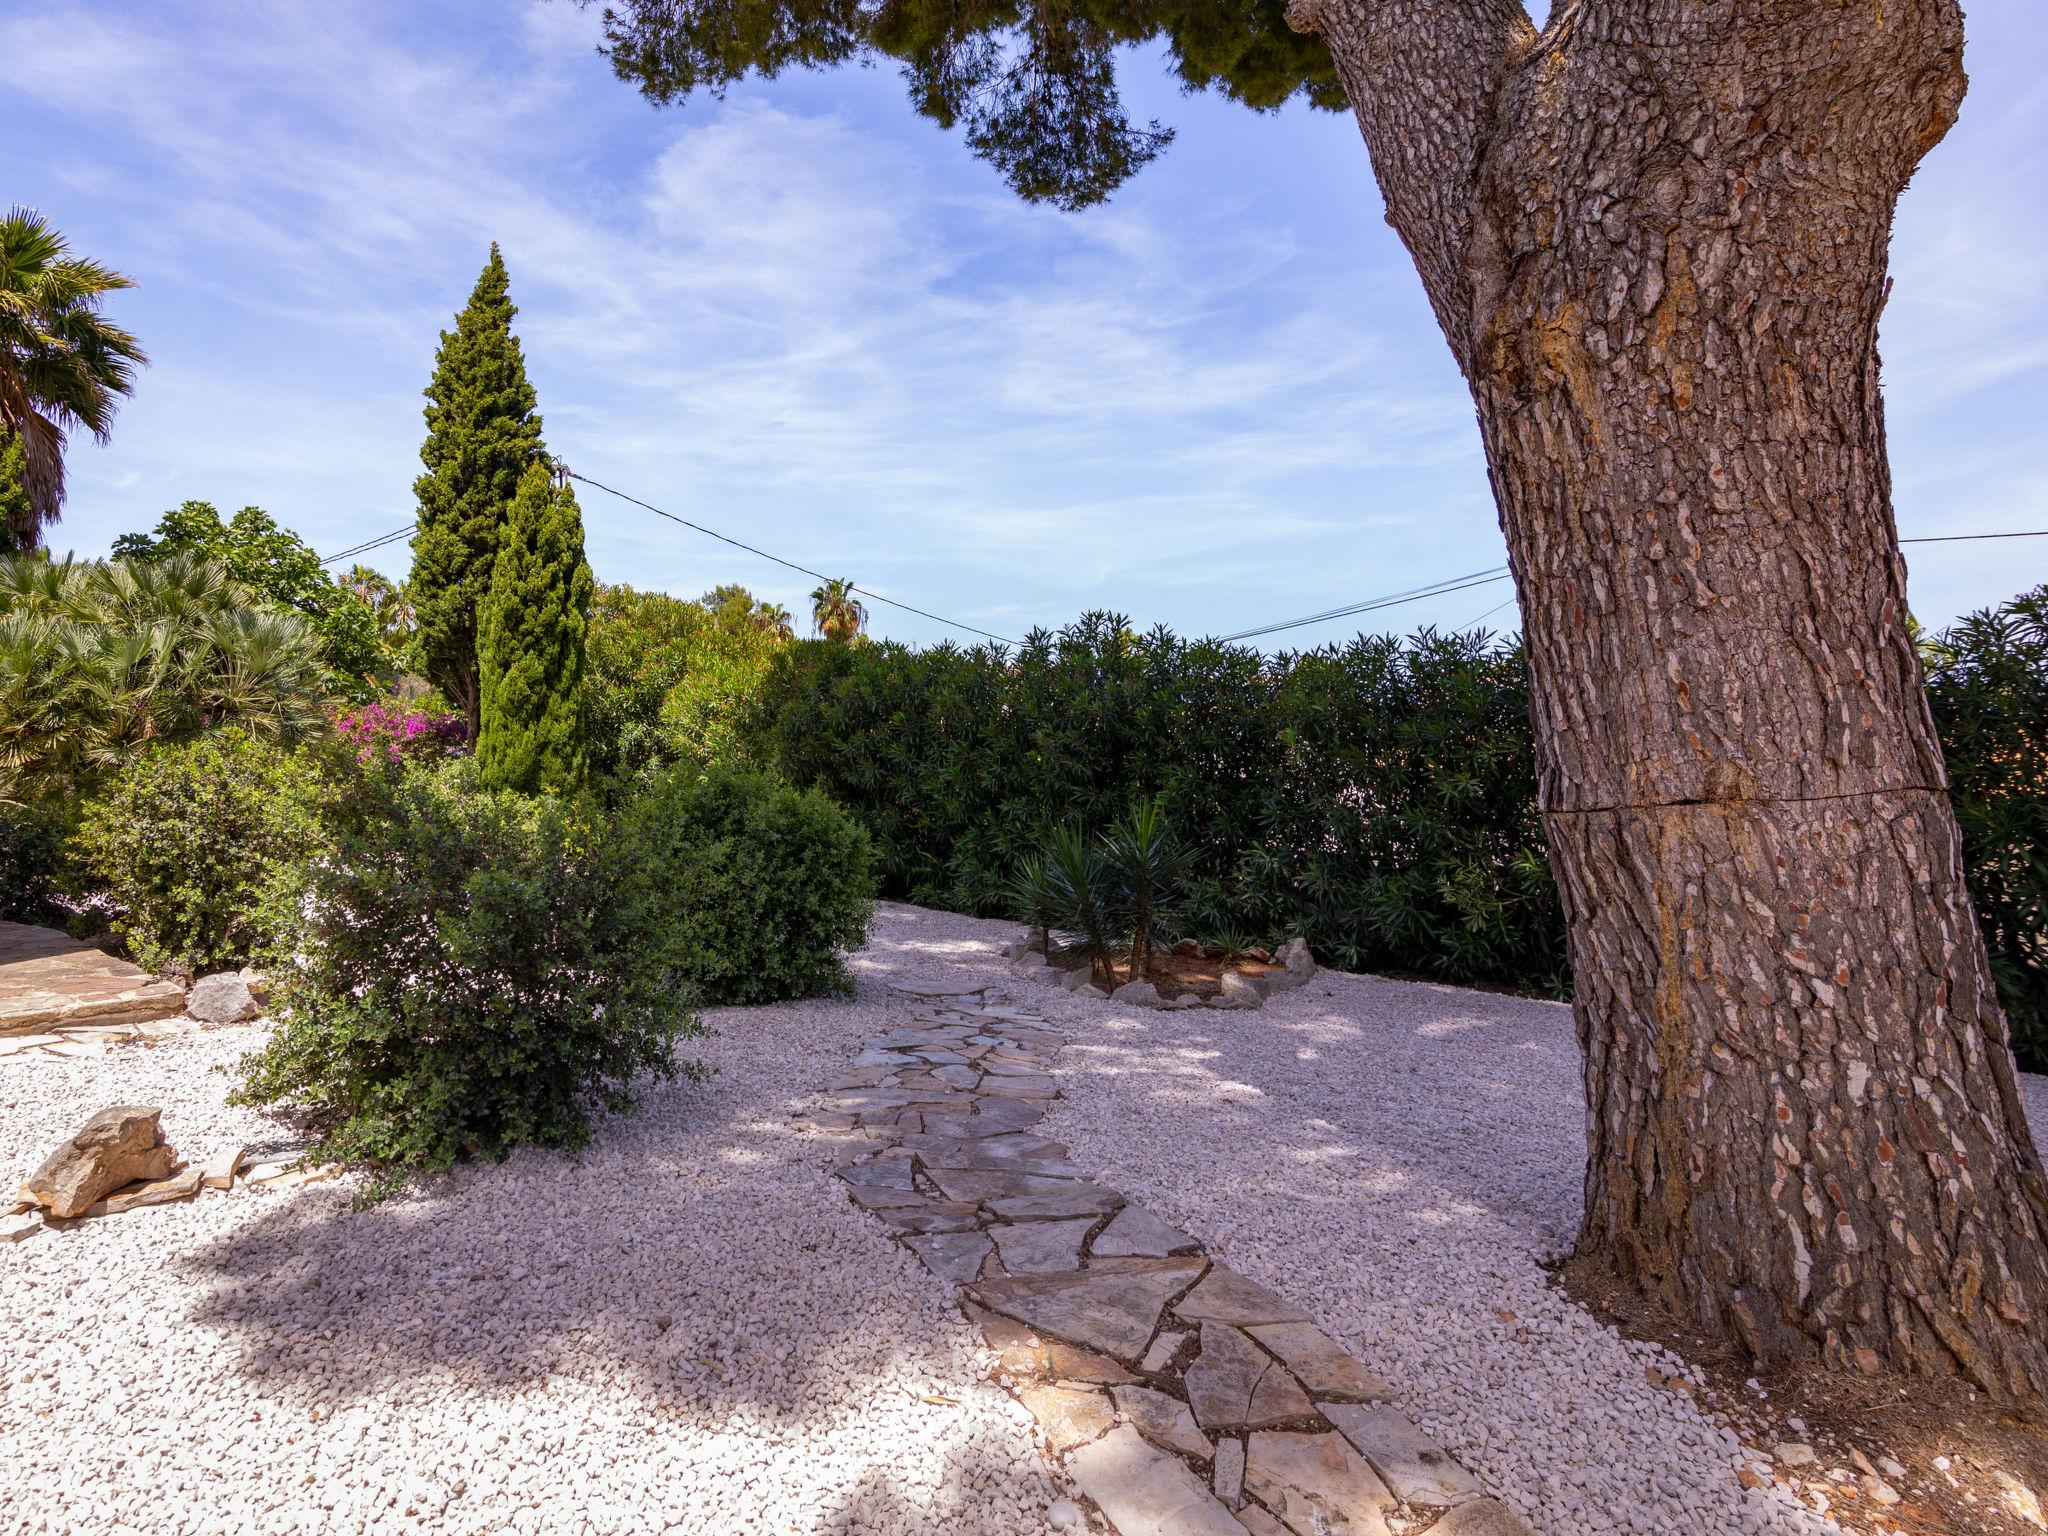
(681, 1258)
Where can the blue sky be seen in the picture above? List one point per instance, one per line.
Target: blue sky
(809, 318)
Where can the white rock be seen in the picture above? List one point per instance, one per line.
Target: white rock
(223, 998)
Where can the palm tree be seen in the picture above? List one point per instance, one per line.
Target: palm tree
(774, 619)
(836, 613)
(96, 660)
(61, 363)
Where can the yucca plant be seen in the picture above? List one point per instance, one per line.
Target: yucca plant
(1151, 867)
(1084, 892)
(1034, 898)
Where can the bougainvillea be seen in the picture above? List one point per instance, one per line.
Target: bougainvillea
(396, 733)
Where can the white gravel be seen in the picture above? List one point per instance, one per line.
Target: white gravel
(1399, 1158)
(489, 1355)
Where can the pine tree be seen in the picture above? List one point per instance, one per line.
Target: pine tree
(530, 640)
(483, 430)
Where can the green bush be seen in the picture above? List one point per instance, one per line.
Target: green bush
(750, 889)
(1377, 799)
(191, 840)
(32, 865)
(468, 979)
(1988, 686)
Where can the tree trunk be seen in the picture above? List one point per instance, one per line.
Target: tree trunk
(1655, 238)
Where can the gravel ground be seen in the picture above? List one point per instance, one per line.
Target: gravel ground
(689, 1328)
(1399, 1158)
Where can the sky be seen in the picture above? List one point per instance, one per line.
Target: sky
(806, 317)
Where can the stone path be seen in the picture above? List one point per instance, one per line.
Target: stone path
(52, 986)
(1180, 1398)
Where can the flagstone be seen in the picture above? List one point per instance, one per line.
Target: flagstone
(1040, 1247)
(940, 1216)
(1137, 1233)
(1317, 1484)
(1146, 1492)
(1414, 1466)
(1076, 1200)
(952, 1256)
(1112, 1312)
(1163, 1420)
(1317, 1360)
(1225, 1296)
(1234, 1384)
(993, 1183)
(1070, 1416)
(1161, 1354)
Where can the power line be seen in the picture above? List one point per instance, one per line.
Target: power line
(1958, 538)
(376, 543)
(777, 559)
(1496, 573)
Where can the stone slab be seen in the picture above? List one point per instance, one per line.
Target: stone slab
(1040, 1247)
(1146, 1492)
(1418, 1469)
(1234, 1384)
(954, 1256)
(1317, 1484)
(1114, 1312)
(1163, 1420)
(1137, 1233)
(1318, 1361)
(1070, 1416)
(48, 978)
(1225, 1296)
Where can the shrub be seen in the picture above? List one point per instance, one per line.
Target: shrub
(391, 731)
(32, 865)
(750, 888)
(191, 840)
(1989, 691)
(467, 979)
(1377, 798)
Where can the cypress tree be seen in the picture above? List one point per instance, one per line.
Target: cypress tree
(530, 638)
(482, 431)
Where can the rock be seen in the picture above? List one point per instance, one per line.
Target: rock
(1892, 1467)
(1794, 1453)
(258, 985)
(1317, 1484)
(1314, 1356)
(1225, 1296)
(1241, 991)
(117, 1146)
(1187, 1000)
(1229, 1481)
(1880, 1490)
(1070, 1416)
(219, 1169)
(1138, 994)
(1161, 1354)
(1041, 1247)
(1145, 1491)
(1075, 980)
(223, 998)
(1234, 1384)
(1076, 1200)
(1112, 1311)
(1413, 1465)
(1189, 948)
(1295, 956)
(1137, 1233)
(1065, 1515)
(1094, 994)
(954, 1256)
(1259, 1523)
(1163, 1420)
(15, 1228)
(1480, 1517)
(179, 1186)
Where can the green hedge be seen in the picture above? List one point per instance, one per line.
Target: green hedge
(1988, 684)
(1376, 798)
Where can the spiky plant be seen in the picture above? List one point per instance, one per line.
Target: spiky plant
(1084, 897)
(1034, 897)
(1151, 866)
(836, 613)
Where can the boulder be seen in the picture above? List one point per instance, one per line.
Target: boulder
(1240, 992)
(1295, 956)
(223, 998)
(1139, 994)
(258, 984)
(1092, 993)
(118, 1146)
(1074, 981)
(1190, 948)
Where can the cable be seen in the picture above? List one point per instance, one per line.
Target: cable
(376, 543)
(789, 564)
(1958, 538)
(1372, 605)
(1496, 608)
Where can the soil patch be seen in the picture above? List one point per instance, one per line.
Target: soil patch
(1971, 1468)
(1172, 973)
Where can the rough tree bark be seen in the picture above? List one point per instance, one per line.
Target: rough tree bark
(1654, 235)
